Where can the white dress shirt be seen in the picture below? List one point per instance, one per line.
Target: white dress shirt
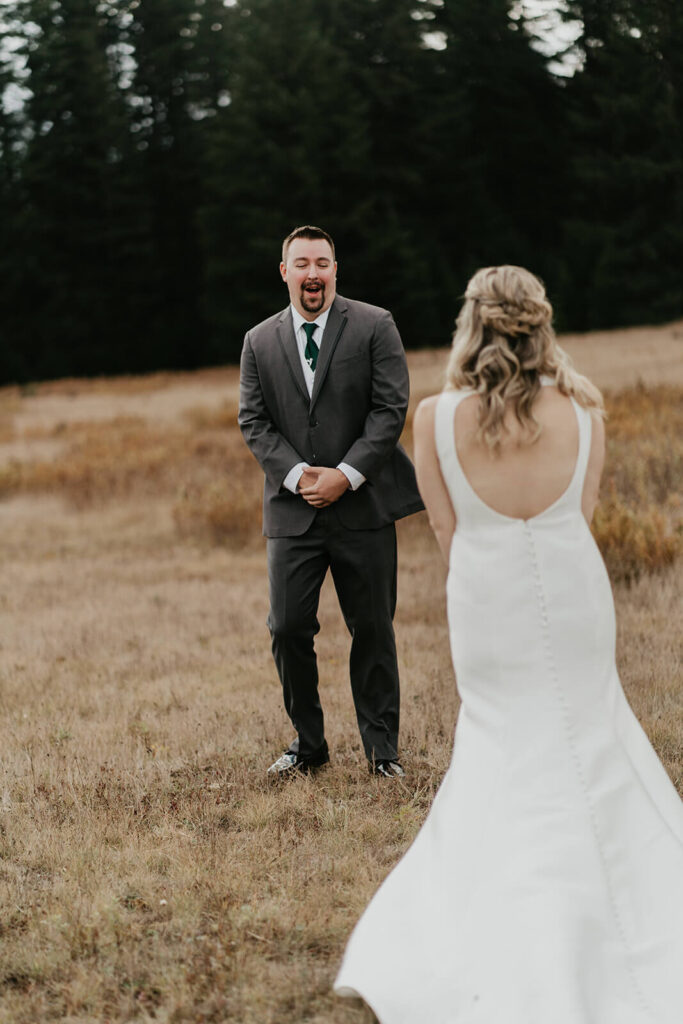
(291, 481)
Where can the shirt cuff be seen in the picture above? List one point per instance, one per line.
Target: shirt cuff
(352, 475)
(291, 481)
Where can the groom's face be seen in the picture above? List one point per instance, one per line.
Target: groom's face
(310, 275)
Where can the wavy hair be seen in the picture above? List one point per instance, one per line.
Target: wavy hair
(503, 344)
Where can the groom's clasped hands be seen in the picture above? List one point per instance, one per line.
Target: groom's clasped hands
(321, 486)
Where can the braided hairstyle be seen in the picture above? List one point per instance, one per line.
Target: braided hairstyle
(503, 343)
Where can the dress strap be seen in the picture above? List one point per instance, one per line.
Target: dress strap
(447, 403)
(585, 421)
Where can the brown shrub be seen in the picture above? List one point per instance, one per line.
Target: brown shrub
(634, 541)
(105, 460)
(206, 462)
(9, 405)
(645, 412)
(645, 444)
(6, 428)
(220, 500)
(222, 418)
(122, 457)
(10, 478)
(222, 511)
(637, 523)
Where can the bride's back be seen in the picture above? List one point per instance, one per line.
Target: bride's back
(521, 479)
(511, 378)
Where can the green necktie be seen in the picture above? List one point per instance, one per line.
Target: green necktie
(311, 350)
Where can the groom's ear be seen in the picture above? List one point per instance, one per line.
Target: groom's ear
(283, 271)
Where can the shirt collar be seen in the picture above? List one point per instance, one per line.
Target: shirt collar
(321, 320)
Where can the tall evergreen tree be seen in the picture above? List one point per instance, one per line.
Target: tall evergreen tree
(387, 232)
(107, 266)
(14, 364)
(625, 229)
(179, 78)
(70, 175)
(498, 188)
(320, 128)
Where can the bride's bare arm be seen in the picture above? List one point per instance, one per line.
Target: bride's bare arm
(429, 479)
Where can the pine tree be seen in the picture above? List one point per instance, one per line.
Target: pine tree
(104, 183)
(497, 192)
(320, 128)
(14, 364)
(179, 78)
(385, 230)
(70, 176)
(625, 229)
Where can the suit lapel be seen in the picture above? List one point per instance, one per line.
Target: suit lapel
(285, 333)
(336, 323)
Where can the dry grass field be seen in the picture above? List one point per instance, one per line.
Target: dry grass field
(148, 870)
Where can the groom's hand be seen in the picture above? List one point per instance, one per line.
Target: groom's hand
(321, 486)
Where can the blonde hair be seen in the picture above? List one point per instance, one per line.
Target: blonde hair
(503, 343)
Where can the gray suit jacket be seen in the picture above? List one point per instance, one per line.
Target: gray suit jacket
(355, 415)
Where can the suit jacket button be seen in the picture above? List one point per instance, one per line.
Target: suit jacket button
(313, 423)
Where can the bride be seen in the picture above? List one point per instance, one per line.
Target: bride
(546, 885)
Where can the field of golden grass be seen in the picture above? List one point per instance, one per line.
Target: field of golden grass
(148, 870)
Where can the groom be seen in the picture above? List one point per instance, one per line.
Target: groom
(323, 398)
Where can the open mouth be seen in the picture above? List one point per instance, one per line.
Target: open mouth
(312, 295)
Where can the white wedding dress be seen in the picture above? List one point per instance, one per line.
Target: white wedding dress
(546, 885)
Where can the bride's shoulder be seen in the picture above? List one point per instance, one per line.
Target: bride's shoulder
(423, 420)
(426, 409)
(427, 405)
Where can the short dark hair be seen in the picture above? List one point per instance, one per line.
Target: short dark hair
(306, 231)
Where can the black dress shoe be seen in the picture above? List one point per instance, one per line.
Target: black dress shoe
(290, 763)
(387, 769)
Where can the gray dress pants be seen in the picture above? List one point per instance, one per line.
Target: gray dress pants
(363, 567)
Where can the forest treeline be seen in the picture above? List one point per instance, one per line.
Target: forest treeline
(163, 148)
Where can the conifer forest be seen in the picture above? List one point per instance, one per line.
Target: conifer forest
(154, 153)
